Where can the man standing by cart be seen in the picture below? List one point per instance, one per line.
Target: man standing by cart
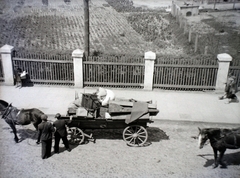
(45, 131)
(61, 132)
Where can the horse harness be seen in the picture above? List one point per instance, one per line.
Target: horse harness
(6, 113)
(233, 133)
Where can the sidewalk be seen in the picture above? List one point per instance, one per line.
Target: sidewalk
(173, 105)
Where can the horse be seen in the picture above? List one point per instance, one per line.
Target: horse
(220, 140)
(14, 116)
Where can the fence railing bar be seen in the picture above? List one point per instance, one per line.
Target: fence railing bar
(183, 86)
(113, 63)
(52, 81)
(114, 84)
(42, 60)
(186, 66)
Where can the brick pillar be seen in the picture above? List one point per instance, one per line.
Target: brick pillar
(149, 69)
(224, 60)
(6, 54)
(78, 67)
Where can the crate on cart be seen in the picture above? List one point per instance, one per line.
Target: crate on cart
(90, 102)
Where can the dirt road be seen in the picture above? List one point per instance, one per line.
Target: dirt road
(171, 153)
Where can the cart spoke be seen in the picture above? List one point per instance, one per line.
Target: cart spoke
(140, 139)
(129, 137)
(130, 131)
(131, 140)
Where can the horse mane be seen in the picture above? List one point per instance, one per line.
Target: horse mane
(221, 132)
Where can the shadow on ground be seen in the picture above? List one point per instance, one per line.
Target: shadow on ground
(230, 159)
(154, 134)
(27, 134)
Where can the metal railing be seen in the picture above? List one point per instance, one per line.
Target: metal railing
(192, 77)
(1, 71)
(47, 72)
(184, 73)
(123, 72)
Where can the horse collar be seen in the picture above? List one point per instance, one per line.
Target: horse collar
(18, 113)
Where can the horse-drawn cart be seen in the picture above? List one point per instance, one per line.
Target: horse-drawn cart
(130, 115)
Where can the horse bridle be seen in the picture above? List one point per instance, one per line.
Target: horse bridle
(7, 112)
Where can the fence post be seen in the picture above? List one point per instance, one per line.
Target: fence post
(149, 69)
(224, 60)
(190, 35)
(78, 67)
(6, 54)
(196, 43)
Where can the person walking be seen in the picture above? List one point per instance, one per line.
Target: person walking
(61, 132)
(45, 132)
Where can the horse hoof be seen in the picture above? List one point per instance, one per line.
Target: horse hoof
(223, 165)
(16, 140)
(214, 166)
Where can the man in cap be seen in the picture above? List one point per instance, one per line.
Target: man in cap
(17, 76)
(230, 89)
(105, 95)
(45, 131)
(61, 132)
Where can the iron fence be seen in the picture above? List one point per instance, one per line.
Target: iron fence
(113, 71)
(47, 72)
(122, 71)
(235, 70)
(1, 71)
(193, 77)
(195, 73)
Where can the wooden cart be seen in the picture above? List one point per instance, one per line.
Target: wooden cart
(130, 115)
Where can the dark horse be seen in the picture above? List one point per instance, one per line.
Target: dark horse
(14, 116)
(220, 140)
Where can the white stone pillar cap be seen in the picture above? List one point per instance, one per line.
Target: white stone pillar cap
(224, 57)
(150, 55)
(6, 49)
(77, 53)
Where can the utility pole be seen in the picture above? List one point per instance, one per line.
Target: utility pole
(234, 4)
(214, 6)
(86, 26)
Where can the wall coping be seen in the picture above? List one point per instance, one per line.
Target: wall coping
(77, 53)
(224, 57)
(6, 49)
(150, 55)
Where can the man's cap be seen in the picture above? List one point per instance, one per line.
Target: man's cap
(57, 115)
(101, 92)
(44, 117)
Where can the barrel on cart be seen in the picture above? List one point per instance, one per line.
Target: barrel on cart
(130, 115)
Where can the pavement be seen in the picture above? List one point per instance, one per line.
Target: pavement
(173, 105)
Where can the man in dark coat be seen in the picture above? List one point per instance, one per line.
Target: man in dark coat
(45, 132)
(61, 132)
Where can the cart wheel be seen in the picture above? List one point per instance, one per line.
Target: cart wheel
(75, 135)
(135, 135)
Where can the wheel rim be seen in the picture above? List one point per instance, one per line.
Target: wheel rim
(75, 135)
(135, 135)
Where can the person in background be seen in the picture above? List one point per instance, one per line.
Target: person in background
(17, 75)
(230, 90)
(105, 95)
(45, 132)
(61, 132)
